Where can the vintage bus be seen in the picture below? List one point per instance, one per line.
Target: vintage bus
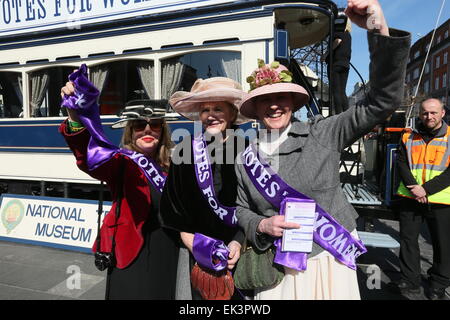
(133, 49)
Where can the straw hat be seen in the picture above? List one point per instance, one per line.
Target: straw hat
(267, 79)
(142, 109)
(208, 90)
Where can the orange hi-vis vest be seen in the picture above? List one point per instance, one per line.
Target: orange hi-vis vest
(426, 161)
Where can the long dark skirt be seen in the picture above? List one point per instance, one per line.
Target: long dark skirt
(152, 276)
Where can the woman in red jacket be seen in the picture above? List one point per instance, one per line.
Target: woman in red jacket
(145, 254)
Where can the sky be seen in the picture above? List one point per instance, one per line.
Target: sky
(416, 16)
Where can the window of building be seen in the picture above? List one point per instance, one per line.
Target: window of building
(444, 80)
(426, 86)
(11, 98)
(446, 34)
(416, 54)
(180, 72)
(445, 58)
(436, 83)
(439, 39)
(427, 67)
(438, 62)
(416, 73)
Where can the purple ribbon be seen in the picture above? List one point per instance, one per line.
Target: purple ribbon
(328, 233)
(203, 173)
(210, 253)
(100, 149)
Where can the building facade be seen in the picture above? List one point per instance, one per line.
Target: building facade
(436, 68)
(358, 95)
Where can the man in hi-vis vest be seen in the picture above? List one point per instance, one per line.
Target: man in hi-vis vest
(423, 164)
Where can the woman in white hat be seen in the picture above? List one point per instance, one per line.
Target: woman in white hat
(144, 255)
(200, 193)
(301, 168)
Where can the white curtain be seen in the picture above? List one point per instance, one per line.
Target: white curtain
(231, 65)
(98, 75)
(19, 92)
(172, 74)
(146, 73)
(39, 84)
(17, 84)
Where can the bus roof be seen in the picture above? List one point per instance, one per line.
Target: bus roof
(26, 21)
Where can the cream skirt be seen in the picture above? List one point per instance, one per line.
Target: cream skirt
(324, 279)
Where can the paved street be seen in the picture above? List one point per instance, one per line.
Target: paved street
(38, 273)
(32, 272)
(387, 261)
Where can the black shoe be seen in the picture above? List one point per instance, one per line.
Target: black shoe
(436, 294)
(403, 287)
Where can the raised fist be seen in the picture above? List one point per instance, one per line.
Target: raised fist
(368, 15)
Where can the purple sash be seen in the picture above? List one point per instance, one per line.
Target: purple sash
(328, 233)
(203, 173)
(100, 149)
(207, 250)
(149, 167)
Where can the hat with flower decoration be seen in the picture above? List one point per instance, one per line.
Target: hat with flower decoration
(268, 79)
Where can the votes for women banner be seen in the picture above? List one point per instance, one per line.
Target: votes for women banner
(27, 16)
(56, 222)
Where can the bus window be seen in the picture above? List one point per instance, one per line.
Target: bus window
(11, 99)
(122, 81)
(180, 73)
(45, 91)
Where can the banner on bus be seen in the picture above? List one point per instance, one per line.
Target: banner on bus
(26, 16)
(56, 222)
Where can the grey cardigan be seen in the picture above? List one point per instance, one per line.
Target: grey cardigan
(309, 158)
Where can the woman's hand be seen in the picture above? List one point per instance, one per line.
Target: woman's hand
(188, 240)
(69, 90)
(275, 226)
(368, 15)
(234, 246)
(235, 253)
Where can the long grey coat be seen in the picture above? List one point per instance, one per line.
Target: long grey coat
(309, 159)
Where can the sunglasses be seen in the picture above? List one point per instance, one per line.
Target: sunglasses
(139, 125)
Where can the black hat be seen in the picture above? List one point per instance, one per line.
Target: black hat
(142, 109)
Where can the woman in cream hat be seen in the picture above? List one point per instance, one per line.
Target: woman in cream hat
(206, 92)
(200, 193)
(301, 165)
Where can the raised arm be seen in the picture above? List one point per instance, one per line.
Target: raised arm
(389, 51)
(79, 97)
(78, 144)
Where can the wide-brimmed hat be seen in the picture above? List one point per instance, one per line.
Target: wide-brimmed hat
(267, 79)
(208, 90)
(142, 109)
